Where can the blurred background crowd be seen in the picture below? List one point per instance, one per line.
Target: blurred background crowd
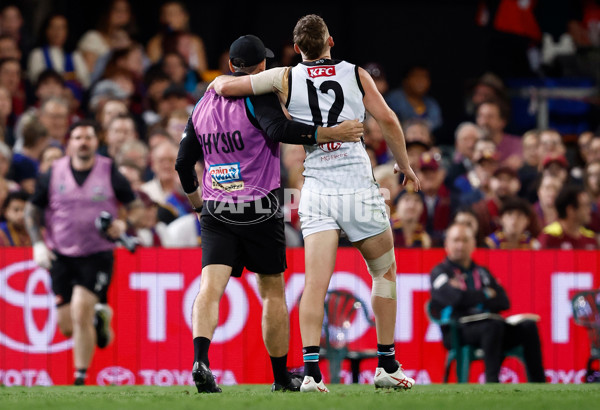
(498, 100)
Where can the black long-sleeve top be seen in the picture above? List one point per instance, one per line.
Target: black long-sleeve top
(265, 113)
(470, 300)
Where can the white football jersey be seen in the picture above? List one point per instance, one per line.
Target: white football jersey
(325, 93)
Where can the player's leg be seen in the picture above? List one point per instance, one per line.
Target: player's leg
(320, 253)
(63, 289)
(84, 335)
(368, 228)
(378, 252)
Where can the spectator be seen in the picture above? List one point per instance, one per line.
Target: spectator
(12, 24)
(24, 165)
(50, 154)
(466, 216)
(593, 153)
(460, 287)
(54, 115)
(551, 144)
(493, 116)
(134, 151)
(545, 208)
(374, 138)
(7, 185)
(175, 17)
(120, 130)
(557, 166)
(175, 124)
(378, 74)
(487, 87)
(174, 98)
(6, 130)
(418, 140)
(515, 219)
(156, 82)
(406, 227)
(504, 184)
(592, 186)
(413, 99)
(132, 172)
(53, 52)
(9, 47)
(475, 185)
(12, 228)
(529, 172)
(436, 198)
(98, 42)
(166, 180)
(49, 84)
(573, 206)
(143, 223)
(10, 79)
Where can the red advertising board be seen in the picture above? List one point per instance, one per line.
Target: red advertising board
(153, 290)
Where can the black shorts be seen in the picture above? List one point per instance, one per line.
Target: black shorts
(93, 272)
(259, 247)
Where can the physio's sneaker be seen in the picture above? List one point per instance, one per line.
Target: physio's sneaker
(204, 379)
(102, 320)
(396, 380)
(293, 385)
(309, 384)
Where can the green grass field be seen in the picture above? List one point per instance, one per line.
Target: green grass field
(347, 397)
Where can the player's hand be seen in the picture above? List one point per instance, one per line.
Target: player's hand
(117, 228)
(348, 131)
(42, 255)
(409, 175)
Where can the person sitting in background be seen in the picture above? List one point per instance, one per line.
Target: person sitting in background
(504, 184)
(166, 179)
(412, 100)
(374, 138)
(408, 231)
(573, 206)
(24, 165)
(466, 216)
(515, 219)
(460, 287)
(418, 140)
(545, 208)
(591, 179)
(550, 145)
(493, 116)
(436, 198)
(120, 130)
(465, 138)
(12, 229)
(48, 156)
(143, 223)
(475, 185)
(529, 172)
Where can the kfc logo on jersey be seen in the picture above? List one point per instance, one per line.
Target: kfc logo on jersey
(330, 146)
(322, 71)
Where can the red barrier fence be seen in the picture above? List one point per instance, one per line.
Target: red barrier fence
(153, 291)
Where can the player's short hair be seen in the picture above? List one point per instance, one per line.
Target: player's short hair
(310, 34)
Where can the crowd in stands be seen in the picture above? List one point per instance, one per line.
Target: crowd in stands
(526, 191)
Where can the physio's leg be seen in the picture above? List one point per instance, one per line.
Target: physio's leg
(205, 312)
(275, 320)
(84, 333)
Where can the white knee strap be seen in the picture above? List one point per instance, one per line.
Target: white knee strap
(377, 268)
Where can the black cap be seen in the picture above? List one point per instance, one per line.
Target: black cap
(247, 51)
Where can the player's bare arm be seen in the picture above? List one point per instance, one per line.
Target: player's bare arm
(390, 127)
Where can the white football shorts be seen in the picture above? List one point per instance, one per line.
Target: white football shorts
(360, 214)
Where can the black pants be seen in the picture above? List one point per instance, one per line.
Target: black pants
(495, 336)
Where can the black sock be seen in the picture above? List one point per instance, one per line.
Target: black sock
(280, 373)
(201, 345)
(80, 373)
(311, 362)
(386, 356)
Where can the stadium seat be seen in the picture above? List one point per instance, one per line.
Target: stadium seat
(464, 354)
(586, 313)
(341, 308)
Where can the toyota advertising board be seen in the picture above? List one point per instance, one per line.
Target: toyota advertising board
(153, 291)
